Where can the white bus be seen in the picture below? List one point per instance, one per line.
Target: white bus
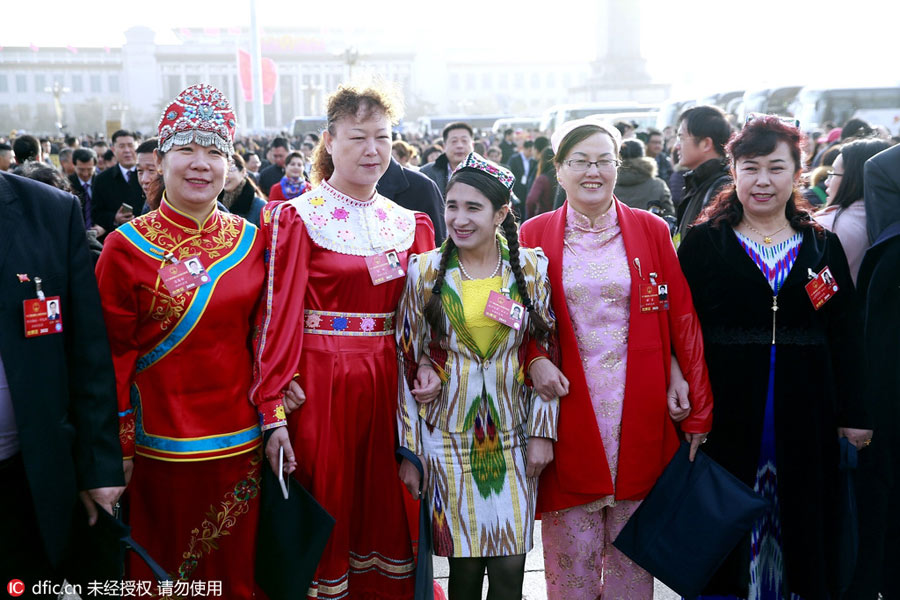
(559, 114)
(815, 106)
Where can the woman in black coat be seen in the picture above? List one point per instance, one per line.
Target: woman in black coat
(786, 376)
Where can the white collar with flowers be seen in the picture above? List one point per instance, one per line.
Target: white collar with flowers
(340, 223)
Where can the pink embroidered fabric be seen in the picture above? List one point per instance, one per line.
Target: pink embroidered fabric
(579, 558)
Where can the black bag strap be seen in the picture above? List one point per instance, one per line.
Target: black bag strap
(411, 457)
(158, 571)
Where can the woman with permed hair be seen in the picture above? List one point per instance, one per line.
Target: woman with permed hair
(783, 345)
(327, 335)
(486, 437)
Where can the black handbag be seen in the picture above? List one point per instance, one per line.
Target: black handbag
(424, 565)
(694, 516)
(292, 536)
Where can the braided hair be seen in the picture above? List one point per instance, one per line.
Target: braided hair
(498, 195)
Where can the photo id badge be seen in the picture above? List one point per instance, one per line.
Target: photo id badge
(504, 310)
(184, 275)
(654, 297)
(42, 316)
(821, 289)
(384, 267)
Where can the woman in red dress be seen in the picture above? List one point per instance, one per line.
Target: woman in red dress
(179, 287)
(292, 184)
(327, 334)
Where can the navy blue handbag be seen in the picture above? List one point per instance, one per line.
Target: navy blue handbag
(690, 521)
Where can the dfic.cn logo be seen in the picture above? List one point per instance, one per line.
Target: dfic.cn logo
(15, 588)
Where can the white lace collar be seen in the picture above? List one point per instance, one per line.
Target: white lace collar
(340, 223)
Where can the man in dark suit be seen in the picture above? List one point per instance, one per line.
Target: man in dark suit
(58, 421)
(878, 474)
(117, 186)
(272, 174)
(414, 191)
(83, 180)
(522, 165)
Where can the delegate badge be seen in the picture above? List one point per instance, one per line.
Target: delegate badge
(654, 297)
(504, 310)
(43, 316)
(183, 276)
(384, 267)
(821, 288)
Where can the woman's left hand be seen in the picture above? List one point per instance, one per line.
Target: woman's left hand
(695, 440)
(858, 437)
(538, 454)
(548, 381)
(427, 385)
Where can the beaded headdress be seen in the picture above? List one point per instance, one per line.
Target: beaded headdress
(200, 114)
(480, 163)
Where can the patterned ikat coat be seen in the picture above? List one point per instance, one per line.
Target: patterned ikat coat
(474, 435)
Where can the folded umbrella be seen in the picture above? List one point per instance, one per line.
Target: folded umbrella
(424, 565)
(292, 536)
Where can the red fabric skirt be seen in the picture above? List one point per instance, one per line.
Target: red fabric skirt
(198, 520)
(344, 438)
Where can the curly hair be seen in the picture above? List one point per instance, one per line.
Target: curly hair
(350, 101)
(760, 137)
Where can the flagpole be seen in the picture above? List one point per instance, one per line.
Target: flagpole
(256, 71)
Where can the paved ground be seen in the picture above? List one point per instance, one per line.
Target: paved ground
(534, 588)
(534, 575)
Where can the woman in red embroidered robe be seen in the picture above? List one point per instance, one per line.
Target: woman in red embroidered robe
(328, 330)
(179, 288)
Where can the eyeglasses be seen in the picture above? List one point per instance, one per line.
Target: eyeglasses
(579, 164)
(835, 174)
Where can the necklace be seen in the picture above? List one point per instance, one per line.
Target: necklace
(767, 239)
(496, 269)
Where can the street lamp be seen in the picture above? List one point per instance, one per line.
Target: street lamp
(58, 90)
(351, 57)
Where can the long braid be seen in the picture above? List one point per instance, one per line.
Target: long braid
(537, 327)
(434, 308)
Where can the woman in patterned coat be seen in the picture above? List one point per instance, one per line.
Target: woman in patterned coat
(486, 437)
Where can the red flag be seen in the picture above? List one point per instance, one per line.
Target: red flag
(72, 49)
(244, 75)
(33, 48)
(269, 77)
(269, 80)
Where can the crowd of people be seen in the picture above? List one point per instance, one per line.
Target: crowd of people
(497, 328)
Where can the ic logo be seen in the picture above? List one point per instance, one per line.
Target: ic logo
(15, 588)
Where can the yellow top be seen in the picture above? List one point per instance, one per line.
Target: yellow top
(475, 294)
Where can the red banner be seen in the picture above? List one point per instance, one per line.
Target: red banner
(269, 77)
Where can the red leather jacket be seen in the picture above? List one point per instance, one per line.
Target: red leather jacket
(579, 472)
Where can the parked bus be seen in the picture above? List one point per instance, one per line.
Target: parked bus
(815, 106)
(670, 111)
(769, 101)
(559, 114)
(524, 123)
(303, 125)
(434, 125)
